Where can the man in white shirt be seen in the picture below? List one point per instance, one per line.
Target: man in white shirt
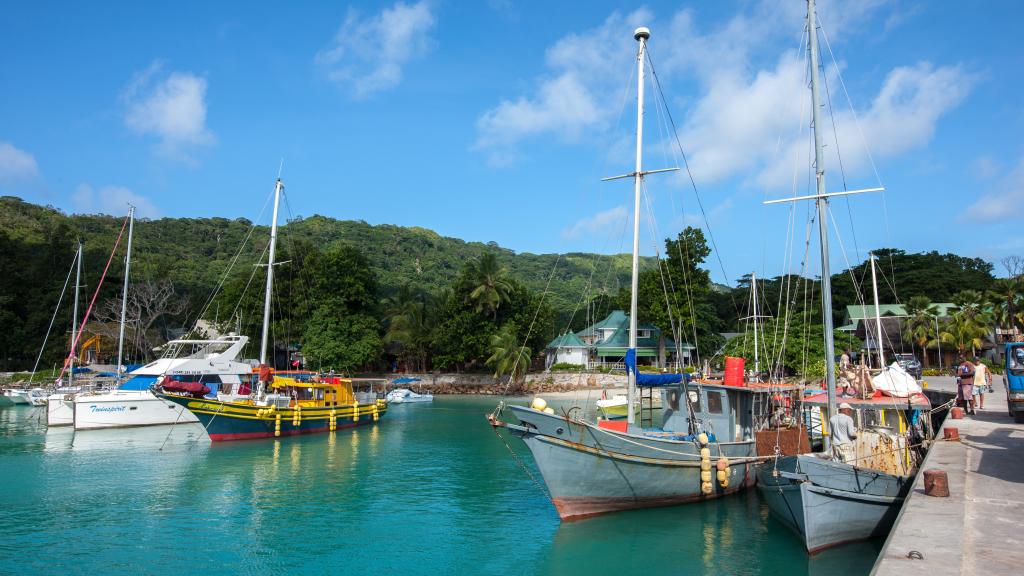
(982, 380)
(844, 431)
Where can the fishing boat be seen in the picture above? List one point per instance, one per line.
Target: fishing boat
(269, 405)
(832, 498)
(405, 395)
(614, 408)
(702, 447)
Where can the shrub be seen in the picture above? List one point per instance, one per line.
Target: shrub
(566, 367)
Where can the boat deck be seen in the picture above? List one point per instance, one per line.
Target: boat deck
(977, 529)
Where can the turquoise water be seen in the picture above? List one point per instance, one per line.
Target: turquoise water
(429, 490)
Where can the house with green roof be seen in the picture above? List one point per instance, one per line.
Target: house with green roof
(605, 344)
(859, 320)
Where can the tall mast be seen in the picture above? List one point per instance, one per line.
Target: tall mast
(822, 202)
(641, 35)
(270, 273)
(757, 362)
(74, 314)
(124, 292)
(878, 314)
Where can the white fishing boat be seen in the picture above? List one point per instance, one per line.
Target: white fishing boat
(405, 396)
(209, 366)
(37, 397)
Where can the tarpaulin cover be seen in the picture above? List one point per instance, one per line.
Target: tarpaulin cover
(138, 383)
(405, 380)
(651, 380)
(196, 389)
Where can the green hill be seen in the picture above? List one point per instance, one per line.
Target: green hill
(37, 244)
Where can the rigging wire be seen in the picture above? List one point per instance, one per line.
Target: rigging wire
(55, 310)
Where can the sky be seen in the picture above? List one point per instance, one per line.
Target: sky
(496, 120)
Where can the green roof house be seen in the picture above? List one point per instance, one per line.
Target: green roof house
(608, 340)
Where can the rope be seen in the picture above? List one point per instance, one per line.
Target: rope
(519, 461)
(59, 300)
(88, 311)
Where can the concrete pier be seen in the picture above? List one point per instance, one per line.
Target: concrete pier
(977, 529)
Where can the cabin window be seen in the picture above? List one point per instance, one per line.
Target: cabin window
(714, 402)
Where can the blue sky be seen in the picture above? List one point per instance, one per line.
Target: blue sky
(495, 120)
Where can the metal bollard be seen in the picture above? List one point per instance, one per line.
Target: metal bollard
(936, 483)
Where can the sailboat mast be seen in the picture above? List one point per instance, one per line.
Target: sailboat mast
(822, 202)
(74, 314)
(124, 292)
(641, 35)
(757, 362)
(270, 274)
(878, 314)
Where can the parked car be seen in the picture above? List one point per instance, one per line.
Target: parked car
(910, 363)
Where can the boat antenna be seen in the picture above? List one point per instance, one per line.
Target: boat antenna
(641, 35)
(124, 293)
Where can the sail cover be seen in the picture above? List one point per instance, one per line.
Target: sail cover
(651, 380)
(894, 381)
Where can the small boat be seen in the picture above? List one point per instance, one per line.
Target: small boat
(405, 396)
(37, 397)
(17, 396)
(614, 408)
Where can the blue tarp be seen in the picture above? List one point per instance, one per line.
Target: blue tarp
(650, 380)
(81, 370)
(405, 380)
(138, 383)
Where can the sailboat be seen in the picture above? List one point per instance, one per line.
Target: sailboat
(60, 405)
(825, 498)
(605, 466)
(267, 405)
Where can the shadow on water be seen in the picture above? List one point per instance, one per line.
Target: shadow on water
(430, 490)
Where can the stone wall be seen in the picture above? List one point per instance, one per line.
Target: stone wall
(534, 383)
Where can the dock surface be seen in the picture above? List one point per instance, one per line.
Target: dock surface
(977, 529)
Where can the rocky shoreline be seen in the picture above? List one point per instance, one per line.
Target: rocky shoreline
(539, 383)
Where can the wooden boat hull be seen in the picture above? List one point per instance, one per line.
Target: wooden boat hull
(828, 503)
(225, 421)
(590, 471)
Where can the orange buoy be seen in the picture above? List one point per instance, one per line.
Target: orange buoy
(733, 371)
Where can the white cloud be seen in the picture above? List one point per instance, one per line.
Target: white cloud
(984, 168)
(16, 164)
(1003, 202)
(743, 78)
(368, 54)
(111, 200)
(579, 95)
(171, 107)
(598, 223)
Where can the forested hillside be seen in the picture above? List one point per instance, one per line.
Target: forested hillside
(356, 296)
(37, 244)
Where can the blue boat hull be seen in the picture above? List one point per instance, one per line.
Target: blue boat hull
(829, 503)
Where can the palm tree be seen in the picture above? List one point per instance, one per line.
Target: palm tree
(411, 316)
(921, 323)
(967, 327)
(1007, 301)
(508, 356)
(489, 284)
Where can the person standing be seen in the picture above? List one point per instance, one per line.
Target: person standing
(965, 384)
(844, 431)
(982, 380)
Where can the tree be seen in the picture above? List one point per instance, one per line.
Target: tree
(921, 323)
(411, 315)
(509, 355)
(804, 346)
(147, 302)
(968, 326)
(343, 332)
(489, 283)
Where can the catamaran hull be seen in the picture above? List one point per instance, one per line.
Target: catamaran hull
(820, 511)
(17, 397)
(126, 409)
(592, 471)
(230, 421)
(60, 410)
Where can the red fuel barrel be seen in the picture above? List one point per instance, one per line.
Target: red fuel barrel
(733, 371)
